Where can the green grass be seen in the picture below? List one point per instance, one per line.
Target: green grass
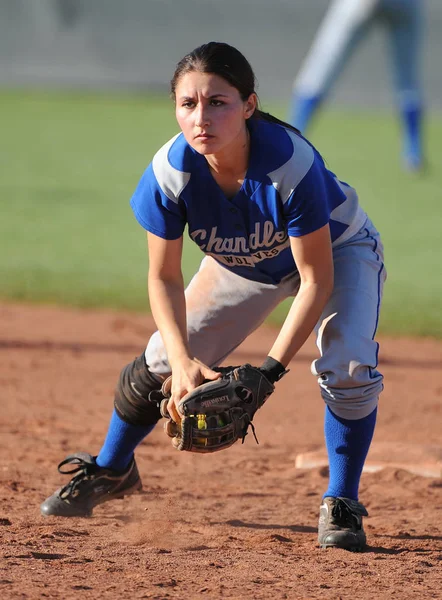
(70, 162)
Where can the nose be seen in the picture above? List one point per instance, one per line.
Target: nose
(201, 116)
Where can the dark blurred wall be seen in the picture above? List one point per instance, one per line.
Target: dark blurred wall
(121, 43)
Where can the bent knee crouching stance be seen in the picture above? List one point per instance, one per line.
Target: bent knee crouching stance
(132, 402)
(350, 391)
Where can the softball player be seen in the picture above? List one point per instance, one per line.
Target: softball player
(273, 222)
(343, 27)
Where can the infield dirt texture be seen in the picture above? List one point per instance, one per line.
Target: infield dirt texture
(237, 524)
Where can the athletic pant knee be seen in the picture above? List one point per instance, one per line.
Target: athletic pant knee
(349, 385)
(348, 397)
(347, 371)
(132, 402)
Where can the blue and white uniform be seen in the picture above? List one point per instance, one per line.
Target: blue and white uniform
(249, 268)
(287, 191)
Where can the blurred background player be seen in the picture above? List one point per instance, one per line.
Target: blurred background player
(344, 25)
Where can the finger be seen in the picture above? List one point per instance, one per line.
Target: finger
(207, 373)
(212, 375)
(173, 412)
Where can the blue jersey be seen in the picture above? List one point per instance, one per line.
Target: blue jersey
(287, 191)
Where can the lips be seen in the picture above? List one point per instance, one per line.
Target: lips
(204, 136)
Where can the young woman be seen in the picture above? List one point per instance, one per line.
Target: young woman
(273, 223)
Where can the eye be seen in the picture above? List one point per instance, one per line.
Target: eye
(215, 102)
(188, 104)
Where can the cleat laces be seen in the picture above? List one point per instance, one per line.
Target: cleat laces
(83, 469)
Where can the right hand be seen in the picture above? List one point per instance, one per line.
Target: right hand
(187, 374)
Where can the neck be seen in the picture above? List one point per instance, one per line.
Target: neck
(232, 161)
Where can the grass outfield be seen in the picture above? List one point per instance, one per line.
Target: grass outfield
(70, 163)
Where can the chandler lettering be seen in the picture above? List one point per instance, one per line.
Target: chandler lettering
(263, 236)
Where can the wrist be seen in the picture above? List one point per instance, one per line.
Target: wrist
(273, 369)
(178, 357)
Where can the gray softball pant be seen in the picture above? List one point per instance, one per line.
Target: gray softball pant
(223, 309)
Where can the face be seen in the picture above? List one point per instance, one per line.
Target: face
(211, 113)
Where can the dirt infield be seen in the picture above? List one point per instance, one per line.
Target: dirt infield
(238, 524)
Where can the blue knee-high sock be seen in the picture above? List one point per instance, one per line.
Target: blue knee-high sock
(120, 443)
(411, 115)
(347, 443)
(302, 110)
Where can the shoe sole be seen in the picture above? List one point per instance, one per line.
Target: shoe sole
(349, 549)
(126, 492)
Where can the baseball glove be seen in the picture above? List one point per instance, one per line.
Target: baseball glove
(217, 413)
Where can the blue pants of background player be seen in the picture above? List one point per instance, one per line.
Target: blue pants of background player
(344, 25)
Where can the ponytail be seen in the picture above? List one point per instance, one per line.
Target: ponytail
(264, 116)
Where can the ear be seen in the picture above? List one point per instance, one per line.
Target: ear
(250, 106)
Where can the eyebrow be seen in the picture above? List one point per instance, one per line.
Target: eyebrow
(209, 97)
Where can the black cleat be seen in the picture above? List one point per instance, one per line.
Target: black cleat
(340, 524)
(91, 486)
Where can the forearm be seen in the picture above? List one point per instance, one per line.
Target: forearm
(168, 306)
(300, 321)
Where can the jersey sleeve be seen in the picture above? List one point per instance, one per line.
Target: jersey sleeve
(308, 208)
(156, 212)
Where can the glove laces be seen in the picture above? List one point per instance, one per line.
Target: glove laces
(246, 431)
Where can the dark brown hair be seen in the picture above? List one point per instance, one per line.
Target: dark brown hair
(227, 62)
